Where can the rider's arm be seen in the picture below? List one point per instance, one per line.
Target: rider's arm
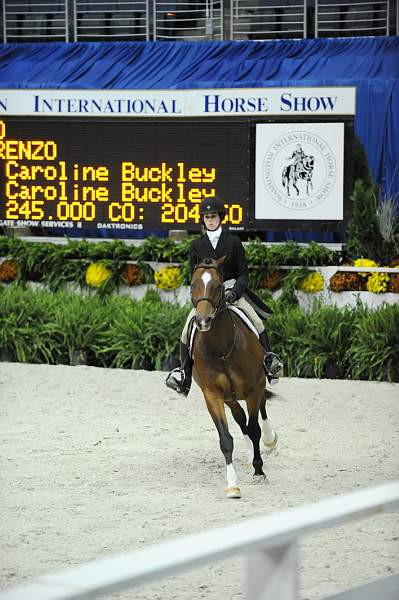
(193, 256)
(241, 268)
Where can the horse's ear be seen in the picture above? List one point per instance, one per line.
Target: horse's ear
(220, 261)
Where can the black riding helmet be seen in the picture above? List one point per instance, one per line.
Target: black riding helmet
(212, 204)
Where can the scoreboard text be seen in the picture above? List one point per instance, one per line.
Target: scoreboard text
(108, 174)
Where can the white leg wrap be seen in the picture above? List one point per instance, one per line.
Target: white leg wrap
(268, 433)
(232, 479)
(250, 448)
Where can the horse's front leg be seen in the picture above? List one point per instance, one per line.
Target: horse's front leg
(217, 412)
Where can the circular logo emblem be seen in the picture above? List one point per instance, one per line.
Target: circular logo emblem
(299, 170)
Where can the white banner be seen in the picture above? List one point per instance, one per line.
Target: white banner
(299, 171)
(180, 103)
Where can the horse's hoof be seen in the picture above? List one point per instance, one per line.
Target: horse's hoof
(233, 492)
(270, 445)
(259, 477)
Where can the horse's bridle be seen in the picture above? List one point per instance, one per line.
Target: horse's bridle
(218, 307)
(221, 301)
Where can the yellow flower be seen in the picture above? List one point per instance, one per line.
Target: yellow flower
(378, 283)
(313, 282)
(97, 274)
(168, 278)
(365, 262)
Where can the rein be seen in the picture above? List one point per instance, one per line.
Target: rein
(224, 357)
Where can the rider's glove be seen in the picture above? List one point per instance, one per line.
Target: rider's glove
(231, 296)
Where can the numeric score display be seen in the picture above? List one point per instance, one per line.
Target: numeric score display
(118, 174)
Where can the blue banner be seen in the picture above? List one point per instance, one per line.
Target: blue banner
(369, 64)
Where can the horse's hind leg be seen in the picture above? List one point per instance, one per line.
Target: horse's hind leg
(269, 436)
(217, 412)
(254, 432)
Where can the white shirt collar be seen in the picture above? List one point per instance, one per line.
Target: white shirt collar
(214, 236)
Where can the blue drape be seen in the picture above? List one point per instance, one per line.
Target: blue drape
(370, 64)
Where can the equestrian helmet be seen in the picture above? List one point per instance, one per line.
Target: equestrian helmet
(212, 205)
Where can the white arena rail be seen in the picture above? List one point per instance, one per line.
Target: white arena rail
(269, 542)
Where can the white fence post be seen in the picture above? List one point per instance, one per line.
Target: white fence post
(272, 573)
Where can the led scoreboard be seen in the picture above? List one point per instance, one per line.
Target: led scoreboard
(121, 174)
(279, 158)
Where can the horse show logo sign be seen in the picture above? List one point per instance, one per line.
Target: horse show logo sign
(299, 171)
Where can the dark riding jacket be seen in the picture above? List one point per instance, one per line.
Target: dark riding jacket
(235, 265)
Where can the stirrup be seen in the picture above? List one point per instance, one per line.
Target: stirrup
(273, 367)
(176, 381)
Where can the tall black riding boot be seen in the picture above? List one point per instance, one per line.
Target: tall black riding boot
(179, 379)
(272, 363)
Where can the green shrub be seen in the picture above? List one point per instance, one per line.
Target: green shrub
(24, 317)
(388, 223)
(364, 237)
(77, 328)
(162, 250)
(326, 342)
(288, 254)
(64, 328)
(348, 343)
(374, 351)
(361, 167)
(143, 334)
(286, 329)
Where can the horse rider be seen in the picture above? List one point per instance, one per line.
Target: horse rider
(297, 156)
(215, 243)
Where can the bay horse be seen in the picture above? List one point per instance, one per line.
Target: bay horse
(228, 367)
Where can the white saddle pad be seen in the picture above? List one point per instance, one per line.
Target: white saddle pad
(235, 309)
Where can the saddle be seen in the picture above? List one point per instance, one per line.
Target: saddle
(192, 328)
